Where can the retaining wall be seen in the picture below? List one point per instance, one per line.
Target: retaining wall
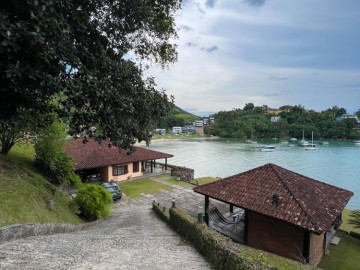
(185, 174)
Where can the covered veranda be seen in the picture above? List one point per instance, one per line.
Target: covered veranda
(226, 218)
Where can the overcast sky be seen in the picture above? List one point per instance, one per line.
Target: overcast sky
(266, 52)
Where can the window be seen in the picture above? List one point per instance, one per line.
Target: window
(136, 166)
(120, 170)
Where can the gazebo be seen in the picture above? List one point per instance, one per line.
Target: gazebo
(285, 213)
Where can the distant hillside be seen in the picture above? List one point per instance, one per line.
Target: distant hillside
(183, 114)
(177, 117)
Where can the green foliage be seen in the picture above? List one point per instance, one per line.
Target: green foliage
(177, 118)
(93, 201)
(51, 157)
(72, 57)
(26, 197)
(254, 123)
(216, 247)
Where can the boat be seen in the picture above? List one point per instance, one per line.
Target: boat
(357, 142)
(304, 143)
(267, 148)
(311, 146)
(293, 139)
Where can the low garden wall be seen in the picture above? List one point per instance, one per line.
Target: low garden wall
(218, 249)
(18, 231)
(185, 174)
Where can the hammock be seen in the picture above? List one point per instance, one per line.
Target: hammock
(218, 218)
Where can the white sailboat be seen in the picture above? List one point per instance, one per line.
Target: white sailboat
(302, 142)
(311, 146)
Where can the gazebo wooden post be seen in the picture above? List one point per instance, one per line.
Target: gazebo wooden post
(165, 163)
(151, 166)
(246, 227)
(231, 208)
(207, 203)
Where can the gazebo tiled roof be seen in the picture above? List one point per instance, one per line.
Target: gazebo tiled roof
(282, 194)
(95, 155)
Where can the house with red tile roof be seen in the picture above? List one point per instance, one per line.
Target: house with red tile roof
(112, 163)
(285, 213)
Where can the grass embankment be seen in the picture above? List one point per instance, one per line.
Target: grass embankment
(345, 226)
(25, 195)
(343, 256)
(134, 189)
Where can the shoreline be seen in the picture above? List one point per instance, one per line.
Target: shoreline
(162, 140)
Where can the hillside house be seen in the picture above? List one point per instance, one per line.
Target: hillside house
(111, 162)
(285, 213)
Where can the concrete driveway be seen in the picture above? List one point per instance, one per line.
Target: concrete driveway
(133, 238)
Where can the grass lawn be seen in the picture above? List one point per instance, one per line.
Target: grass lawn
(165, 175)
(283, 263)
(133, 189)
(25, 195)
(344, 256)
(179, 183)
(205, 180)
(345, 226)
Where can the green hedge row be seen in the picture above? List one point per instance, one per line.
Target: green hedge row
(164, 215)
(218, 249)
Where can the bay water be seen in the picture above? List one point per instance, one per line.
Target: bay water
(337, 163)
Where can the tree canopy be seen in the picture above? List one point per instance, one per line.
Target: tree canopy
(254, 122)
(72, 57)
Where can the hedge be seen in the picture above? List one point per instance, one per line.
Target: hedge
(217, 248)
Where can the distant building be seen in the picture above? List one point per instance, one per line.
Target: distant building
(189, 129)
(198, 123)
(177, 130)
(347, 116)
(273, 111)
(275, 119)
(160, 131)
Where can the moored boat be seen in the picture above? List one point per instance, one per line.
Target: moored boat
(311, 146)
(267, 148)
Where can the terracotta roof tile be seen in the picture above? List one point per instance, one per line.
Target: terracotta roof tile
(304, 202)
(94, 155)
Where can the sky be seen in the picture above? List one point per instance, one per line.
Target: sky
(266, 52)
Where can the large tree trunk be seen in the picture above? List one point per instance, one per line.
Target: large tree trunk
(6, 145)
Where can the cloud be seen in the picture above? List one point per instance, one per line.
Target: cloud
(191, 44)
(277, 78)
(210, 49)
(255, 3)
(210, 3)
(199, 8)
(186, 27)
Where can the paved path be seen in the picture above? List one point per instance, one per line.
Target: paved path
(133, 238)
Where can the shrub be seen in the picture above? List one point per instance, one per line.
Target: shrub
(51, 156)
(93, 201)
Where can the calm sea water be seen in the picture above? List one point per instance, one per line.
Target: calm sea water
(337, 163)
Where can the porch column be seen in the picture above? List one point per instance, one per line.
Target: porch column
(306, 248)
(231, 208)
(207, 203)
(246, 225)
